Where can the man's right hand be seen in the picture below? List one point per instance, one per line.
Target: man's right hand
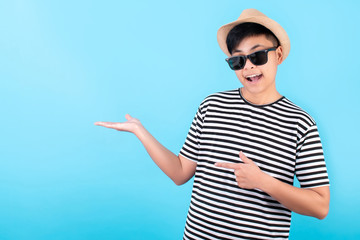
(131, 125)
(178, 168)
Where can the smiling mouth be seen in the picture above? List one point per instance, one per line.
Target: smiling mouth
(254, 77)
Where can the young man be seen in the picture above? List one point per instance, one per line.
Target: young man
(246, 145)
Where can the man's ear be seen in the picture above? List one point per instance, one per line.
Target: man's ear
(279, 55)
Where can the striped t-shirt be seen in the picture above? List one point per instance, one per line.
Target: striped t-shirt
(281, 138)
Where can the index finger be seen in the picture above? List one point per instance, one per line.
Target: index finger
(227, 165)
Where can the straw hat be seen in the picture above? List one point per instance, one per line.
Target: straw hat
(255, 16)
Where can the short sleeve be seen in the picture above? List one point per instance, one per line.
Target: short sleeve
(310, 164)
(191, 146)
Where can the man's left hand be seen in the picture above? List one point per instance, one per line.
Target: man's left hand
(248, 174)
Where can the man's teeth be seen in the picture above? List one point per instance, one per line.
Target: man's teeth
(254, 75)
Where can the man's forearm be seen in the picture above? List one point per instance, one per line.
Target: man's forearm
(178, 168)
(312, 202)
(167, 161)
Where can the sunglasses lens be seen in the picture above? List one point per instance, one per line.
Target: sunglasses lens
(258, 58)
(236, 63)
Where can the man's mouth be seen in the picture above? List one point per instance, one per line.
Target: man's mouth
(253, 77)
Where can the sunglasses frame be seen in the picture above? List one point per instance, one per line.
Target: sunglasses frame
(245, 57)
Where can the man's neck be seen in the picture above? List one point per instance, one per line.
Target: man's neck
(261, 98)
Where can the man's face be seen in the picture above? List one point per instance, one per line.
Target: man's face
(258, 80)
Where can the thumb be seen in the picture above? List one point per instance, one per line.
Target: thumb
(128, 117)
(244, 158)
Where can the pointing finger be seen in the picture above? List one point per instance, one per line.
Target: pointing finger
(227, 165)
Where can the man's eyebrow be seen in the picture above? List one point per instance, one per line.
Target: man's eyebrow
(256, 46)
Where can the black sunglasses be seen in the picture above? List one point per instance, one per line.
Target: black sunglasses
(257, 58)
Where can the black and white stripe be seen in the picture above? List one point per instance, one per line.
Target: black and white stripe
(280, 138)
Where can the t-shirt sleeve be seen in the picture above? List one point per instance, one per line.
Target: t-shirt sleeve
(191, 147)
(310, 164)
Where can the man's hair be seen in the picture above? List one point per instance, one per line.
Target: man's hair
(243, 30)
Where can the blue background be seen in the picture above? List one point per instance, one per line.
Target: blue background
(66, 64)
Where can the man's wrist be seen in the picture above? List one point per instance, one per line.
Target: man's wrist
(139, 131)
(265, 182)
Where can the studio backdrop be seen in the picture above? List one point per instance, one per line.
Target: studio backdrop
(67, 64)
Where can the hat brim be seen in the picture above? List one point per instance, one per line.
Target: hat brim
(270, 24)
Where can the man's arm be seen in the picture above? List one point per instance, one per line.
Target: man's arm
(309, 201)
(178, 168)
(312, 201)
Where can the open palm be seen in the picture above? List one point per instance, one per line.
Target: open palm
(129, 126)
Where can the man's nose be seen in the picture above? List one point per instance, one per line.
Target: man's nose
(248, 64)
